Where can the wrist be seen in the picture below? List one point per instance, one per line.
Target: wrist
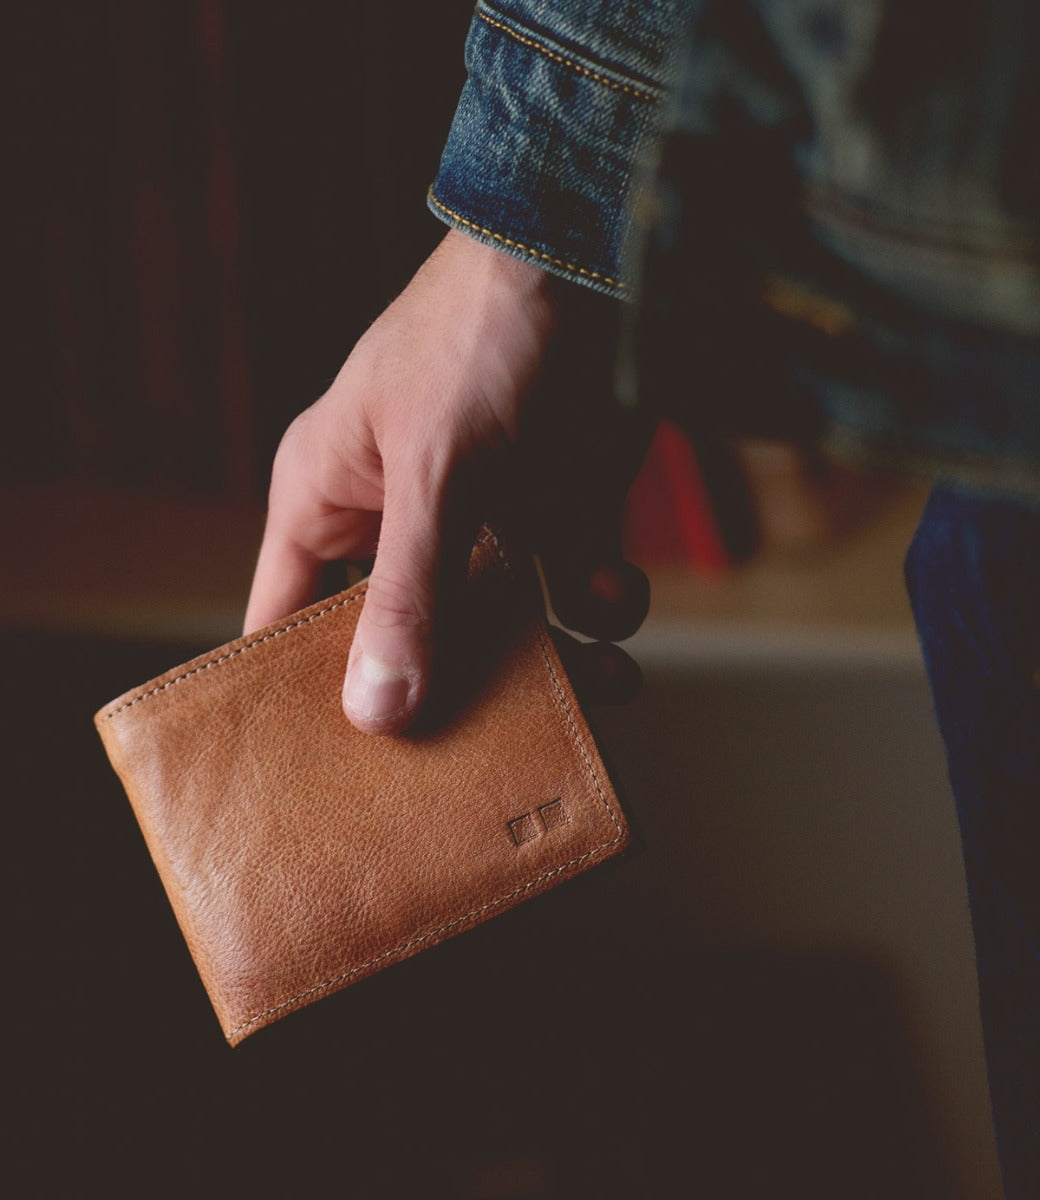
(489, 271)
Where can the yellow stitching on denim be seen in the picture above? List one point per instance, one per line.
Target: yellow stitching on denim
(515, 245)
(638, 93)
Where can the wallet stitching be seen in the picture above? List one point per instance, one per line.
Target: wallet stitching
(561, 701)
(425, 937)
(268, 637)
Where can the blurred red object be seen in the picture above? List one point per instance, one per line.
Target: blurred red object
(670, 517)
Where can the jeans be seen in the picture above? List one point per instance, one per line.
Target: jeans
(973, 573)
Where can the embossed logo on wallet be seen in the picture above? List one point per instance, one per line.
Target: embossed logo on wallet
(544, 819)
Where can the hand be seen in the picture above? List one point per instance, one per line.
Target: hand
(431, 427)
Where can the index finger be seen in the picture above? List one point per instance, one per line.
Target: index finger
(285, 580)
(292, 556)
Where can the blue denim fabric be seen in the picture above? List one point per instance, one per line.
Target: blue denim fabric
(560, 99)
(840, 241)
(843, 232)
(973, 574)
(852, 186)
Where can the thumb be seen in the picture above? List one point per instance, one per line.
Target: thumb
(389, 664)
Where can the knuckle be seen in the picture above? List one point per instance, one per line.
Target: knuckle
(291, 449)
(393, 604)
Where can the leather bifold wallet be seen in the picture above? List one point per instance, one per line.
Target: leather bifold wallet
(301, 855)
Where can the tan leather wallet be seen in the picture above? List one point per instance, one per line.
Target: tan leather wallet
(301, 855)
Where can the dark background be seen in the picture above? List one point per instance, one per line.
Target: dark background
(211, 200)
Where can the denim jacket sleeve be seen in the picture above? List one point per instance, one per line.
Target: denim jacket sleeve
(561, 97)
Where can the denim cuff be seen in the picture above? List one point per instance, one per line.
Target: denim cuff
(542, 150)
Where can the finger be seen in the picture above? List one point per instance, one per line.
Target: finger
(388, 669)
(600, 672)
(603, 600)
(285, 578)
(287, 570)
(592, 588)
